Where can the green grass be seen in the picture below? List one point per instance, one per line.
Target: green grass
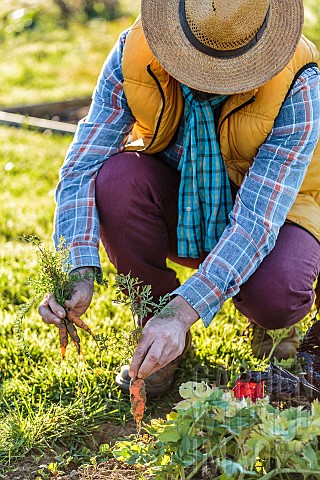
(312, 21)
(47, 404)
(47, 66)
(49, 62)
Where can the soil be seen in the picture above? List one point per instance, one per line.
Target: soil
(28, 467)
(111, 470)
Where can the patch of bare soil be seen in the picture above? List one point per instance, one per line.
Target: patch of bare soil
(110, 433)
(111, 470)
(27, 468)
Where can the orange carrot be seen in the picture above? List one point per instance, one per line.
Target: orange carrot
(78, 322)
(63, 333)
(138, 400)
(67, 328)
(72, 331)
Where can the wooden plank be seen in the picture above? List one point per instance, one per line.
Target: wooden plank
(61, 108)
(16, 120)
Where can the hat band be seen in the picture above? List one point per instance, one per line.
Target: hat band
(212, 52)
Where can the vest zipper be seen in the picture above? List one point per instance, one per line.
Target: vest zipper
(162, 109)
(240, 107)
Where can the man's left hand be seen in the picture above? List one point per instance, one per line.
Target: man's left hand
(163, 339)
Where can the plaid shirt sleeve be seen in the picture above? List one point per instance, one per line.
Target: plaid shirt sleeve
(101, 134)
(262, 203)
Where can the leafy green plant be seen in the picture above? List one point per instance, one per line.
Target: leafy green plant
(213, 433)
(276, 337)
(133, 294)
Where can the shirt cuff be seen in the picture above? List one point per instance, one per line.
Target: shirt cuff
(86, 256)
(202, 295)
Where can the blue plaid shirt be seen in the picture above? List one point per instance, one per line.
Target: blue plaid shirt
(279, 166)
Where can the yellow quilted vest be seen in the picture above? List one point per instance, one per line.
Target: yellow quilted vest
(246, 119)
(153, 96)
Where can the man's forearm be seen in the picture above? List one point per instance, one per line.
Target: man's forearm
(182, 310)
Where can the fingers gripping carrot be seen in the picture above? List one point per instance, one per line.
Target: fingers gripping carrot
(138, 400)
(63, 333)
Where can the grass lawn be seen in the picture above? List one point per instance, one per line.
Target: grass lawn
(55, 414)
(49, 61)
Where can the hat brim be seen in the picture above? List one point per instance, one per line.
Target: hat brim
(167, 41)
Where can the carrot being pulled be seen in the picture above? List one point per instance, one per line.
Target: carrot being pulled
(63, 334)
(78, 322)
(72, 331)
(138, 400)
(58, 278)
(67, 329)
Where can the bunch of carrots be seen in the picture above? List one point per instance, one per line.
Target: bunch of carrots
(67, 329)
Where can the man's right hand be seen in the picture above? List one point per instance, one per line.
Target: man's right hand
(52, 312)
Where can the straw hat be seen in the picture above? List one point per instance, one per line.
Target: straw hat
(222, 46)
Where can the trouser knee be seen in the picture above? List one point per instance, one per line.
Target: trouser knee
(280, 292)
(272, 309)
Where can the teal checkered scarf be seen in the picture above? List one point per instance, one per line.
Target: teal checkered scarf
(204, 195)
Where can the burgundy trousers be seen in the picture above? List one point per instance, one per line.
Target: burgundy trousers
(137, 199)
